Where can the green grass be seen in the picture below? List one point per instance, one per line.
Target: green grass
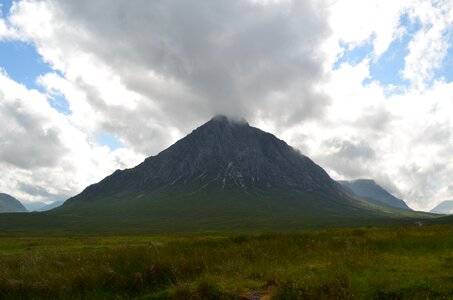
(227, 212)
(361, 263)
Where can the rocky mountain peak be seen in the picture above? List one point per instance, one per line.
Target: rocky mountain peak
(231, 120)
(222, 123)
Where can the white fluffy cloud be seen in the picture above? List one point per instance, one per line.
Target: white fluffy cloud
(428, 48)
(379, 23)
(398, 135)
(146, 73)
(355, 22)
(43, 156)
(403, 141)
(149, 72)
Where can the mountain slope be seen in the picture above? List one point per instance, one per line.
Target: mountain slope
(37, 206)
(369, 189)
(445, 207)
(50, 206)
(33, 206)
(10, 204)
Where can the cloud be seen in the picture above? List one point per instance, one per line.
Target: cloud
(42, 155)
(180, 62)
(384, 22)
(6, 33)
(429, 46)
(409, 134)
(27, 137)
(351, 156)
(146, 73)
(378, 21)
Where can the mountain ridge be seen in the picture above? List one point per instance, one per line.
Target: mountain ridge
(10, 204)
(50, 206)
(444, 207)
(369, 189)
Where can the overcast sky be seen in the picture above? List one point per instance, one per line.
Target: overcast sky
(364, 88)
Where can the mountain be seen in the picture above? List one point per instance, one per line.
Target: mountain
(224, 175)
(445, 207)
(50, 206)
(33, 205)
(222, 154)
(42, 206)
(370, 190)
(10, 204)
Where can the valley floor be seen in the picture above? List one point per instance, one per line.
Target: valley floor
(364, 263)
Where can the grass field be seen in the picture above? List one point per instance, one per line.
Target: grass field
(362, 263)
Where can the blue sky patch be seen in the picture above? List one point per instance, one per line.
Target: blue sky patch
(446, 68)
(60, 104)
(22, 62)
(5, 6)
(355, 55)
(110, 141)
(387, 69)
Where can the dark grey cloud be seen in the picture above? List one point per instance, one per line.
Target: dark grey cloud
(436, 133)
(40, 192)
(450, 189)
(231, 57)
(375, 119)
(350, 158)
(424, 180)
(350, 149)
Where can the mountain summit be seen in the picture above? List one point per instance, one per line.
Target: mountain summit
(224, 174)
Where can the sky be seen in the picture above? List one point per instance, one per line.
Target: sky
(364, 88)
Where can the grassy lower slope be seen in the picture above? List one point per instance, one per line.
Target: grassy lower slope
(207, 212)
(363, 263)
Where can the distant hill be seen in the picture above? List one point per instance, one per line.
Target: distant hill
(33, 206)
(50, 206)
(41, 206)
(369, 189)
(445, 207)
(10, 204)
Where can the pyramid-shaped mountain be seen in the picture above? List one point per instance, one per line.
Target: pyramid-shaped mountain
(221, 154)
(224, 172)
